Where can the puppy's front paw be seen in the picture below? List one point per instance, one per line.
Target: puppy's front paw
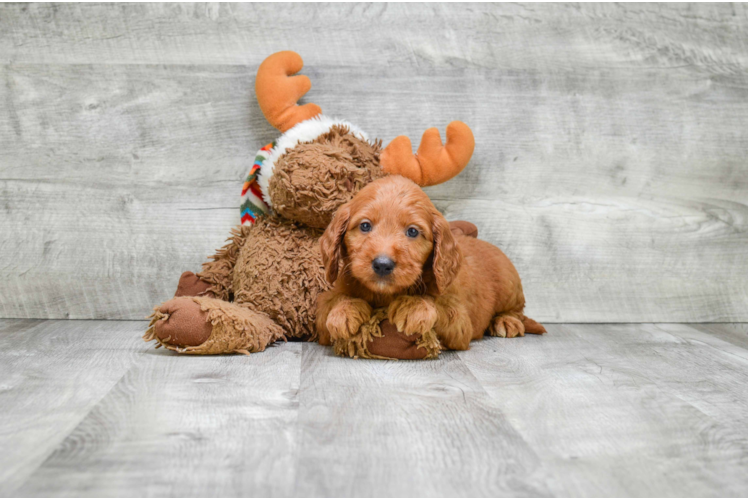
(412, 314)
(347, 317)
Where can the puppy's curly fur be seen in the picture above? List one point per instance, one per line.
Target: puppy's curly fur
(458, 285)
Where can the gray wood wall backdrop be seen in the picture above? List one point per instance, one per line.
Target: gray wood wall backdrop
(611, 159)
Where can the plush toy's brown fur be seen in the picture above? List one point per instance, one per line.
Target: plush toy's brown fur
(272, 268)
(312, 180)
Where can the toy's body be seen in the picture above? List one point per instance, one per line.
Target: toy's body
(270, 272)
(263, 285)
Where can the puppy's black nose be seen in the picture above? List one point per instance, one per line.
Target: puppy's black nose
(383, 265)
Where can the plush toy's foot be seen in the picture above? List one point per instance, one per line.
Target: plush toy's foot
(191, 286)
(380, 339)
(463, 227)
(204, 325)
(396, 345)
(181, 322)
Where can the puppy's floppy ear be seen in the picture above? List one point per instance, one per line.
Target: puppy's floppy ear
(331, 243)
(447, 256)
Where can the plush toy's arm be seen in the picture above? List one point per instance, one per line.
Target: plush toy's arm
(219, 272)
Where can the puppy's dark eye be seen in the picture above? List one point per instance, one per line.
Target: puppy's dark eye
(365, 227)
(412, 232)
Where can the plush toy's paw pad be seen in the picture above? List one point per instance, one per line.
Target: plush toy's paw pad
(412, 315)
(181, 322)
(346, 318)
(395, 344)
(463, 227)
(378, 338)
(191, 286)
(506, 326)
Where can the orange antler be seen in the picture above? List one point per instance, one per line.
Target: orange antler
(434, 163)
(277, 91)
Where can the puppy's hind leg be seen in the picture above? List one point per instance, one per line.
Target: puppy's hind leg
(507, 325)
(454, 327)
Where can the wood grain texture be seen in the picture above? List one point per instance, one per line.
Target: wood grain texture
(586, 410)
(52, 374)
(402, 429)
(610, 161)
(614, 407)
(200, 426)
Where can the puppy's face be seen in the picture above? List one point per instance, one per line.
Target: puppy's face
(389, 238)
(386, 235)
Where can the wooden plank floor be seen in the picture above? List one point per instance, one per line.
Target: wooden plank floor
(88, 409)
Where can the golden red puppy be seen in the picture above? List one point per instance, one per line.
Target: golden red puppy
(390, 247)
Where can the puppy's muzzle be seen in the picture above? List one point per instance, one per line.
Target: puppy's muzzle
(383, 266)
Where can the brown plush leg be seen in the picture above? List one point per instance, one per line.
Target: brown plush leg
(396, 345)
(191, 286)
(379, 339)
(220, 270)
(182, 323)
(463, 227)
(205, 325)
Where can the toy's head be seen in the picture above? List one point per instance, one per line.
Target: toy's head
(320, 163)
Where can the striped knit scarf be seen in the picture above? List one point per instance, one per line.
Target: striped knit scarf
(253, 202)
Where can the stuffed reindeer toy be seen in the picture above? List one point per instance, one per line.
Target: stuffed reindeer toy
(263, 285)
